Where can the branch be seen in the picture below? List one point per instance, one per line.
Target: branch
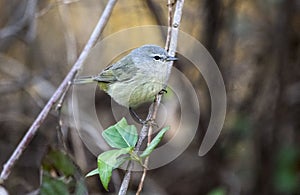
(175, 27)
(170, 20)
(153, 109)
(60, 90)
(167, 47)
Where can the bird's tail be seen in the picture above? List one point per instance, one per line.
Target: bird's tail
(84, 80)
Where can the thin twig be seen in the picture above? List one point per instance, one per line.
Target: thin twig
(150, 130)
(71, 49)
(153, 109)
(146, 162)
(167, 46)
(142, 136)
(170, 20)
(60, 134)
(58, 108)
(60, 90)
(173, 27)
(171, 44)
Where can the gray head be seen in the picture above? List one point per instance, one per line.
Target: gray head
(150, 55)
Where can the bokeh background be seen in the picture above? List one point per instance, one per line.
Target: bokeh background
(256, 46)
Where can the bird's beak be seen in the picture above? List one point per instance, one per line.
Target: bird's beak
(170, 58)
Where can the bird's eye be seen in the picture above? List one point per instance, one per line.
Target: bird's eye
(157, 57)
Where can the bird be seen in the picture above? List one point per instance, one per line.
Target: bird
(136, 78)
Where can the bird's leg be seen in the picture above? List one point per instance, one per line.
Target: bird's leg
(139, 120)
(135, 116)
(145, 122)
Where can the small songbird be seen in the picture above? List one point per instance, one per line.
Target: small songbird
(136, 78)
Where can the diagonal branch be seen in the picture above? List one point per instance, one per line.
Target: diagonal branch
(58, 93)
(153, 109)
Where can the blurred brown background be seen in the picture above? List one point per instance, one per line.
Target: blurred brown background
(254, 42)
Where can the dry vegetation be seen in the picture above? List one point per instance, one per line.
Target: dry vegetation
(256, 45)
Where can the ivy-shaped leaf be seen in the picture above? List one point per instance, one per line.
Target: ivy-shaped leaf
(109, 160)
(124, 137)
(154, 142)
(93, 172)
(68, 179)
(121, 135)
(53, 186)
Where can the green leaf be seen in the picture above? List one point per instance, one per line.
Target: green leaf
(60, 161)
(286, 178)
(53, 186)
(154, 142)
(217, 191)
(93, 172)
(68, 179)
(109, 160)
(121, 135)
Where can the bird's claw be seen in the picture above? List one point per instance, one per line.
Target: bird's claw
(163, 91)
(149, 122)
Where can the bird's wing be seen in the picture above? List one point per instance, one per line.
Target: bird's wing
(120, 71)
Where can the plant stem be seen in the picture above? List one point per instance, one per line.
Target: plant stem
(171, 48)
(58, 93)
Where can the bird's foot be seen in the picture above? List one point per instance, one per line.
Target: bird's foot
(163, 91)
(149, 122)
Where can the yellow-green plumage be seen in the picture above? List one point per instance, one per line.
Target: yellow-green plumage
(136, 78)
(103, 86)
